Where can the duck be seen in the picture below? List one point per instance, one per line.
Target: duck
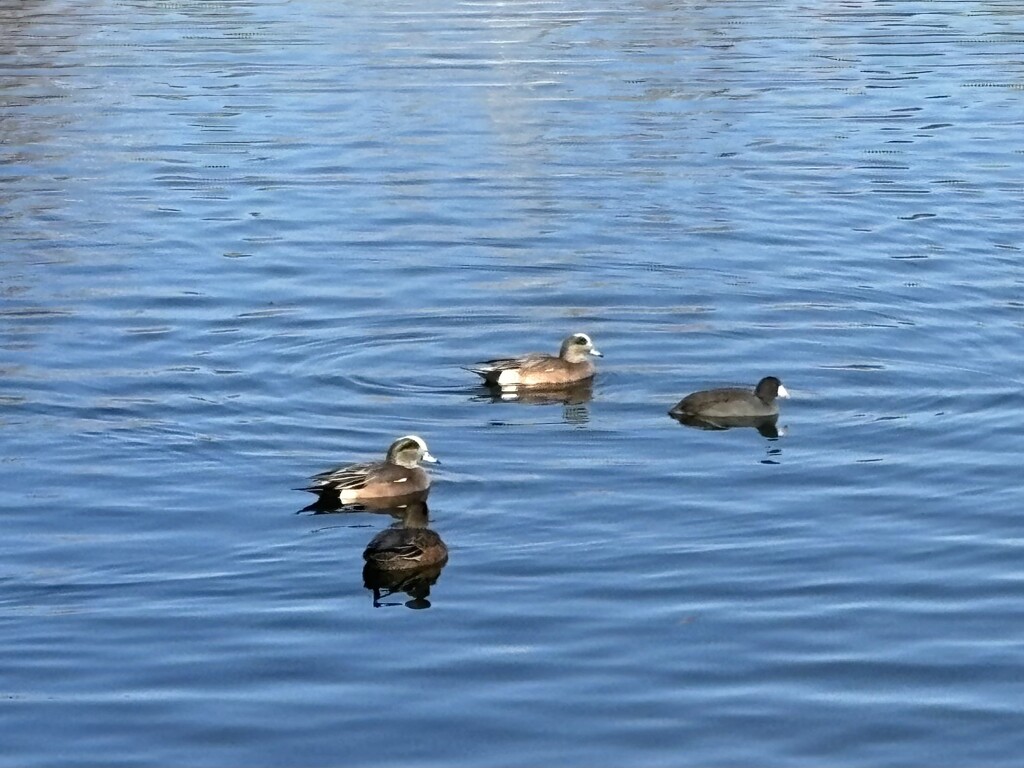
(399, 475)
(410, 545)
(733, 402)
(571, 365)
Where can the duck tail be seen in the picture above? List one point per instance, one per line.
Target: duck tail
(325, 502)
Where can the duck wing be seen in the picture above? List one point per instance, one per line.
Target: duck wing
(353, 476)
(394, 544)
(490, 369)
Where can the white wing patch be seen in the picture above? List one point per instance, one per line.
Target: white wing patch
(509, 376)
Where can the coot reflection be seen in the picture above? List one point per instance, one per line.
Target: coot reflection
(765, 425)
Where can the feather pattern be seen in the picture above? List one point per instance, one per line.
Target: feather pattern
(410, 545)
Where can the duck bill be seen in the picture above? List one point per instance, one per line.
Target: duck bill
(783, 392)
(430, 459)
(595, 353)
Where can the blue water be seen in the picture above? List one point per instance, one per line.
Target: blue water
(246, 241)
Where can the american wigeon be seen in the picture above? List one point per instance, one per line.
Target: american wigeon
(410, 545)
(572, 364)
(399, 475)
(733, 402)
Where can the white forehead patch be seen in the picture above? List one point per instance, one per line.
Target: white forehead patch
(416, 439)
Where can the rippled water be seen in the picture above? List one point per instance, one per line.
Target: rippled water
(244, 241)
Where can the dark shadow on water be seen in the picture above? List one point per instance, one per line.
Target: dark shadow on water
(767, 426)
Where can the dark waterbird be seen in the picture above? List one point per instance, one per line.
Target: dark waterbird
(716, 405)
(408, 557)
(408, 545)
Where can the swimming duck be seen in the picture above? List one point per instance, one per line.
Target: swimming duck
(572, 364)
(412, 545)
(398, 475)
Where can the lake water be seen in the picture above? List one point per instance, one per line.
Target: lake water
(244, 241)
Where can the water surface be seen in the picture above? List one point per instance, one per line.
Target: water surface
(244, 241)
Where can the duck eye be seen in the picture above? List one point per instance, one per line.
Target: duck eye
(581, 340)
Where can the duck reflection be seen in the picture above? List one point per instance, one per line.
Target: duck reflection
(573, 397)
(388, 505)
(767, 426)
(415, 583)
(407, 557)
